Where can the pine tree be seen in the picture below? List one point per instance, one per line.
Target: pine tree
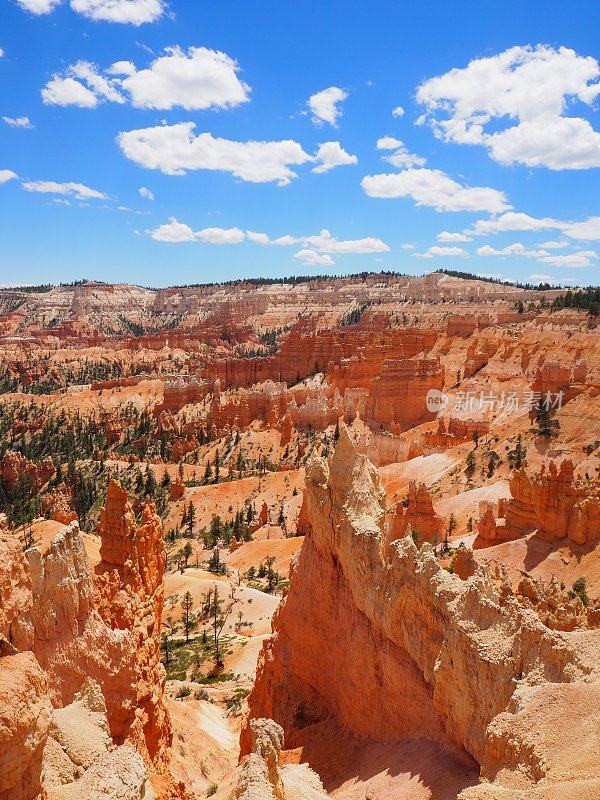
(187, 618)
(547, 425)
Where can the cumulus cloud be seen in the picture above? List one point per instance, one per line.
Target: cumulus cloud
(324, 105)
(326, 243)
(39, 7)
(221, 235)
(331, 155)
(431, 187)
(536, 276)
(18, 122)
(195, 80)
(146, 193)
(587, 230)
(323, 243)
(7, 175)
(66, 91)
(388, 143)
(580, 259)
(174, 232)
(524, 91)
(132, 12)
(398, 111)
(402, 157)
(174, 149)
(314, 259)
(449, 252)
(77, 190)
(448, 236)
(516, 249)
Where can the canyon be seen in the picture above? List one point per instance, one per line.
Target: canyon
(289, 540)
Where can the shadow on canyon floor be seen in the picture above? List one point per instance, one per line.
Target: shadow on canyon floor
(412, 769)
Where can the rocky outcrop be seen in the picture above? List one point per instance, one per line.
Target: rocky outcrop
(418, 515)
(393, 646)
(56, 504)
(553, 503)
(131, 598)
(262, 777)
(59, 629)
(80, 760)
(15, 467)
(25, 712)
(397, 399)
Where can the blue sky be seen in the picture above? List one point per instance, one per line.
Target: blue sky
(492, 166)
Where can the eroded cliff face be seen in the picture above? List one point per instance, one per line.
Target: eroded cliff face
(553, 503)
(392, 646)
(60, 628)
(130, 597)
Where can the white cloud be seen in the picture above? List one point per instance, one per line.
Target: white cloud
(195, 80)
(326, 243)
(552, 245)
(447, 236)
(173, 232)
(431, 187)
(536, 276)
(2, 52)
(198, 79)
(146, 193)
(7, 175)
(18, 122)
(176, 232)
(324, 105)
(407, 246)
(313, 258)
(578, 259)
(587, 230)
(516, 249)
(78, 190)
(221, 235)
(173, 149)
(435, 251)
(39, 6)
(398, 111)
(388, 143)
(257, 238)
(581, 259)
(528, 89)
(68, 92)
(122, 68)
(403, 158)
(102, 88)
(331, 155)
(133, 12)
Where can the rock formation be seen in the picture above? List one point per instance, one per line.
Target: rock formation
(58, 631)
(131, 597)
(262, 777)
(15, 467)
(419, 515)
(553, 503)
(392, 646)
